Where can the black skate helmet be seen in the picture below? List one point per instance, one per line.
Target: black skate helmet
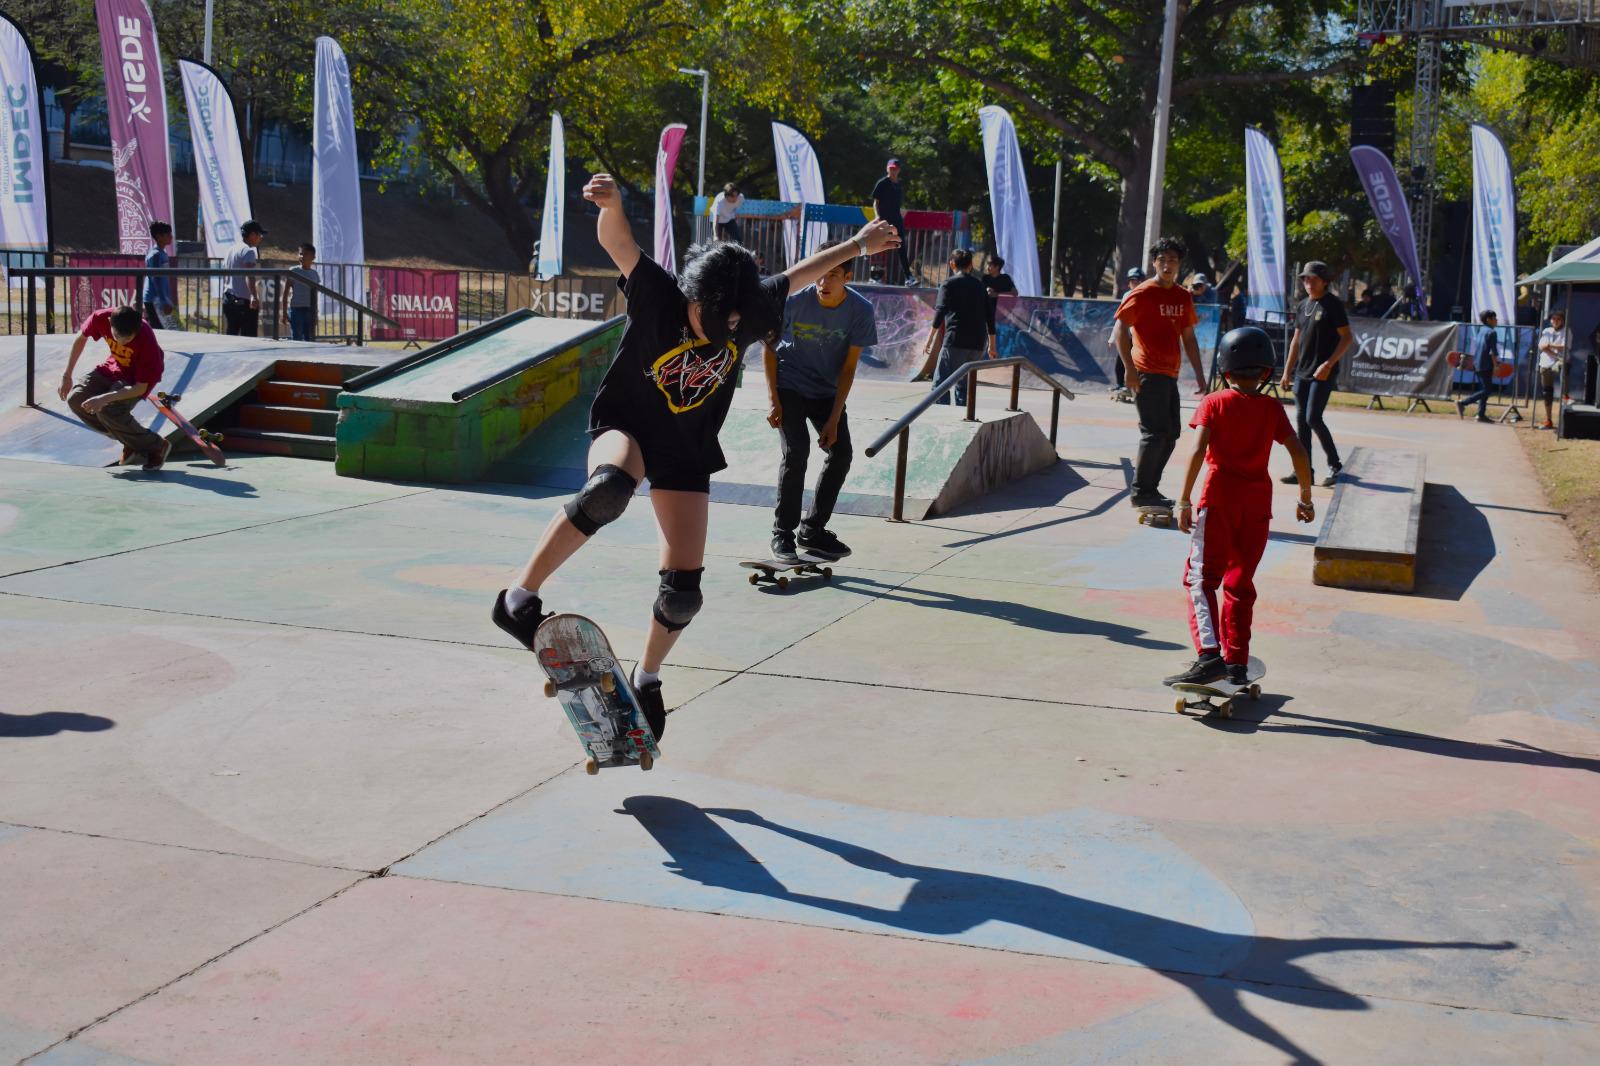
(1245, 348)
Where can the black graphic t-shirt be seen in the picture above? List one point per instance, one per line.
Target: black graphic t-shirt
(667, 388)
(889, 196)
(1319, 322)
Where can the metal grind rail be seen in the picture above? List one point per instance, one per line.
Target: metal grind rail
(281, 274)
(902, 426)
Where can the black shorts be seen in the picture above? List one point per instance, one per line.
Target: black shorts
(665, 468)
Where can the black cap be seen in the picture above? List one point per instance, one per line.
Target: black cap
(1316, 269)
(252, 226)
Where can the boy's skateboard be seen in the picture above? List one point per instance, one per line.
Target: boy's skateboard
(1122, 395)
(776, 570)
(1156, 515)
(204, 439)
(1223, 691)
(595, 692)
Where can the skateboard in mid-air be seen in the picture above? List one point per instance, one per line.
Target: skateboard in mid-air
(1156, 515)
(777, 571)
(1217, 697)
(204, 439)
(595, 692)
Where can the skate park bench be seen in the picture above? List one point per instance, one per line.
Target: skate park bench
(1369, 537)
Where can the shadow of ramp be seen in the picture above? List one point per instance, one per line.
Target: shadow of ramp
(1454, 546)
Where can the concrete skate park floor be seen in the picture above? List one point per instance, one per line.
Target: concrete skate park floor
(273, 789)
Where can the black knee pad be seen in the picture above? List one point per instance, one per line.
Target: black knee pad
(679, 599)
(602, 499)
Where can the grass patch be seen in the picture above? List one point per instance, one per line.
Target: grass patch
(1569, 473)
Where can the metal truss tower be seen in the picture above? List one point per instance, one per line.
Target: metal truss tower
(1564, 31)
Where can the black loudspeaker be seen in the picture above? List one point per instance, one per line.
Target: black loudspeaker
(1452, 253)
(1372, 116)
(1580, 421)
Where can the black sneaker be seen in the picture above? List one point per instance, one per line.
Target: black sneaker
(1480, 418)
(1333, 478)
(1461, 409)
(655, 711)
(155, 460)
(1140, 503)
(523, 623)
(1239, 673)
(1294, 479)
(1204, 670)
(783, 546)
(823, 544)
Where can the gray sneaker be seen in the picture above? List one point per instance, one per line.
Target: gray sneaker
(783, 547)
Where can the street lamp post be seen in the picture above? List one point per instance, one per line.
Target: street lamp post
(700, 181)
(206, 50)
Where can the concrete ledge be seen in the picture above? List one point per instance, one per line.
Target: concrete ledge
(1369, 537)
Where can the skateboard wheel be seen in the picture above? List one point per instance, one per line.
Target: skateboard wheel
(216, 438)
(1255, 692)
(1225, 708)
(549, 689)
(827, 573)
(591, 766)
(783, 583)
(608, 683)
(755, 578)
(646, 760)
(1179, 705)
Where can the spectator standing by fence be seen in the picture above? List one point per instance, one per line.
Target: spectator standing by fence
(963, 316)
(241, 301)
(725, 214)
(1321, 338)
(300, 310)
(158, 295)
(1555, 341)
(996, 280)
(887, 200)
(1488, 358)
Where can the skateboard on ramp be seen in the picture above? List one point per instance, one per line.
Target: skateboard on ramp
(595, 692)
(777, 571)
(205, 440)
(1217, 697)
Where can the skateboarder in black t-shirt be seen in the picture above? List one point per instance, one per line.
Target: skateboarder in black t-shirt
(658, 413)
(1321, 338)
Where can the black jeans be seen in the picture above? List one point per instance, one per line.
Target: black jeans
(1160, 422)
(798, 411)
(952, 359)
(905, 264)
(153, 316)
(243, 320)
(1310, 400)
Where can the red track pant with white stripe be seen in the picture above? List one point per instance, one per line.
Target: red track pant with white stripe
(1224, 550)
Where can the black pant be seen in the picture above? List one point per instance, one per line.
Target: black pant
(243, 320)
(1310, 400)
(905, 264)
(152, 316)
(1160, 422)
(1121, 372)
(799, 410)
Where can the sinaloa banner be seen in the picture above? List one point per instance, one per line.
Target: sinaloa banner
(98, 292)
(424, 302)
(1389, 358)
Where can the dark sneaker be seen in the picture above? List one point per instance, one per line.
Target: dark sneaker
(1239, 673)
(1202, 671)
(1332, 479)
(523, 623)
(655, 711)
(1140, 503)
(1483, 418)
(1294, 479)
(823, 544)
(156, 459)
(783, 546)
(1461, 409)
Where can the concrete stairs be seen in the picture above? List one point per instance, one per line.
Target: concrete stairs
(293, 412)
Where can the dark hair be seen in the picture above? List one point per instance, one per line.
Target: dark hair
(995, 260)
(158, 228)
(722, 278)
(1486, 314)
(962, 258)
(125, 321)
(307, 246)
(731, 189)
(1167, 245)
(830, 246)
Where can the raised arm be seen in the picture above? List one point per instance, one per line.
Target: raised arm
(615, 235)
(876, 236)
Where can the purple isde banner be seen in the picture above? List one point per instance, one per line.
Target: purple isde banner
(1389, 205)
(136, 110)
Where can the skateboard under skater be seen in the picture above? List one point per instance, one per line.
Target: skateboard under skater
(594, 690)
(1122, 395)
(1222, 691)
(1156, 515)
(776, 570)
(204, 439)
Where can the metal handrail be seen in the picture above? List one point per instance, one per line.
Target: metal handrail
(141, 272)
(902, 426)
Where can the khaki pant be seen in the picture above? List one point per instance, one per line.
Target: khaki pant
(115, 420)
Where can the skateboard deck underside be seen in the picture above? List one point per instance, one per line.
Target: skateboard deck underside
(593, 690)
(162, 403)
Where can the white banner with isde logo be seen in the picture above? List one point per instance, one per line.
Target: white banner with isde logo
(551, 227)
(24, 219)
(218, 156)
(1494, 229)
(1267, 297)
(1014, 234)
(799, 182)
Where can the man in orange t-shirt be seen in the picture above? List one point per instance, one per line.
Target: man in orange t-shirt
(1155, 326)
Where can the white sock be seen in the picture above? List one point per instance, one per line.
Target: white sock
(517, 596)
(643, 677)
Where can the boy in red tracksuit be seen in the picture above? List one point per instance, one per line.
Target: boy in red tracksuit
(1229, 529)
